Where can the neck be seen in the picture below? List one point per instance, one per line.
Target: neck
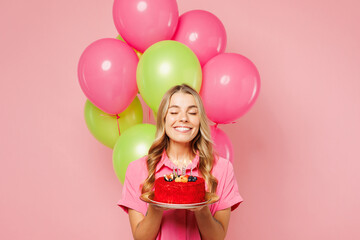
(180, 151)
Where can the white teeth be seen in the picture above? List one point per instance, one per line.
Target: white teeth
(182, 129)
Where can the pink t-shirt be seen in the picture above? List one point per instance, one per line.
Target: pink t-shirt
(179, 222)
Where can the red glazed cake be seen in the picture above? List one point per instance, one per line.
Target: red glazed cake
(179, 192)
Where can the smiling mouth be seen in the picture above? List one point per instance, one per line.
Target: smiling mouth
(182, 129)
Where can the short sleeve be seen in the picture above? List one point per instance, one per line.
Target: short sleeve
(227, 191)
(131, 191)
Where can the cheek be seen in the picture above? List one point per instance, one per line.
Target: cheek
(196, 122)
(169, 121)
(168, 129)
(196, 128)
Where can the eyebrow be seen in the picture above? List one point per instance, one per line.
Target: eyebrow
(176, 106)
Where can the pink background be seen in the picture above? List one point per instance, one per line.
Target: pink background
(297, 151)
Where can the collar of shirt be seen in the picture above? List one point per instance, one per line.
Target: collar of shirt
(165, 161)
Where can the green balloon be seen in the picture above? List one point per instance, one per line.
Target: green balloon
(133, 144)
(104, 127)
(164, 65)
(119, 37)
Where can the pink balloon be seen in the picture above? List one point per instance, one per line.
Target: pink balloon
(144, 22)
(230, 86)
(222, 143)
(203, 33)
(107, 74)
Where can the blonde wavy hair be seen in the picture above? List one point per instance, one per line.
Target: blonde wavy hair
(201, 143)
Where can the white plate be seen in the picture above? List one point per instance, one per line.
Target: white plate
(210, 198)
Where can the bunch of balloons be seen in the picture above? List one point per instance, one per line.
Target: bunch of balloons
(155, 50)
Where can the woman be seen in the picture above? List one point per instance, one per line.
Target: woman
(182, 141)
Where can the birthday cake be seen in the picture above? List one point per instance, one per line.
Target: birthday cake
(179, 189)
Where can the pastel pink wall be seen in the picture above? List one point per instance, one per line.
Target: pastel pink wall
(297, 151)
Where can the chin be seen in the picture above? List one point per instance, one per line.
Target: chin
(182, 140)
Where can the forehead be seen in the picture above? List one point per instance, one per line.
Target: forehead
(182, 100)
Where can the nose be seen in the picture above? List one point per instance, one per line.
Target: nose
(183, 117)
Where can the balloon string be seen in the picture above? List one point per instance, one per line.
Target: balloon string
(216, 124)
(117, 120)
(113, 115)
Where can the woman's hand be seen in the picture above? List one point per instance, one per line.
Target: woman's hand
(212, 227)
(197, 209)
(158, 208)
(146, 227)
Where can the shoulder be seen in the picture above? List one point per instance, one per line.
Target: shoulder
(221, 166)
(137, 169)
(141, 162)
